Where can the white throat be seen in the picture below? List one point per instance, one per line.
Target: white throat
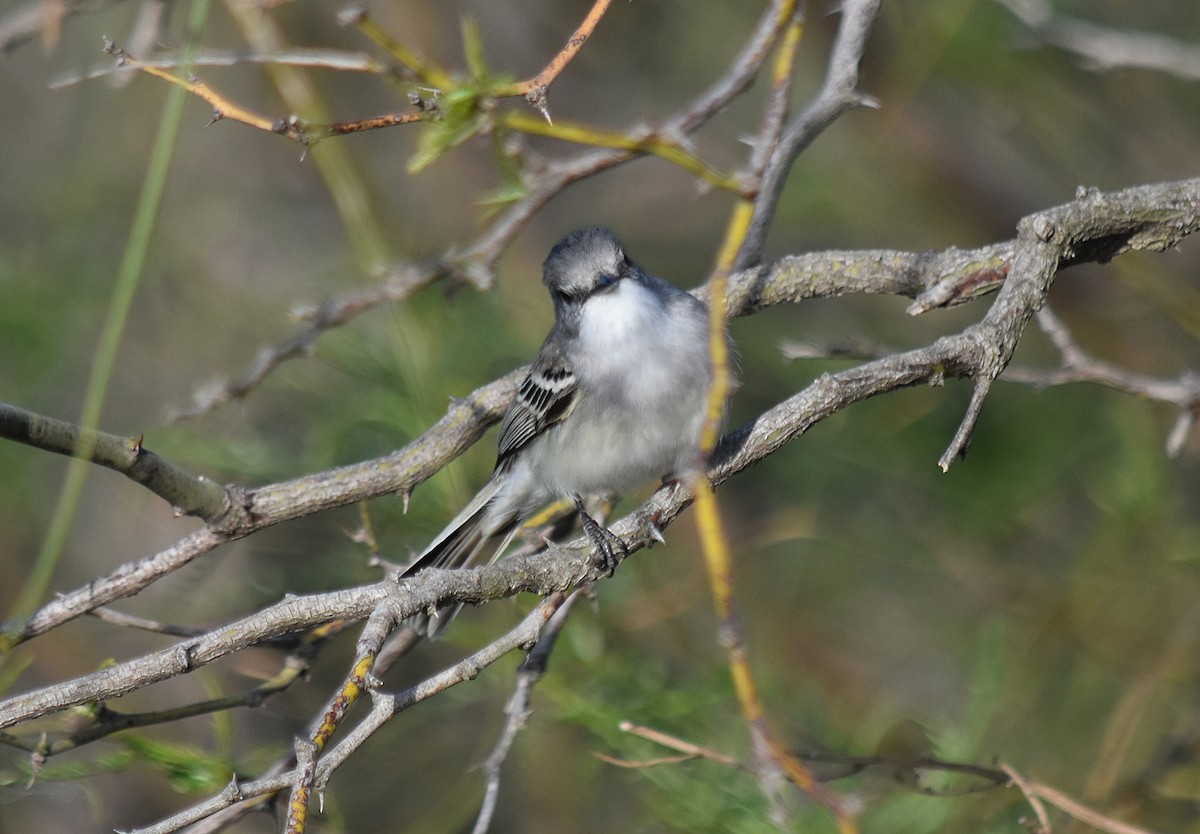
(617, 326)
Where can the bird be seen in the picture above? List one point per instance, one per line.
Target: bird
(616, 398)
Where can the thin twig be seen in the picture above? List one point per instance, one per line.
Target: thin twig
(838, 94)
(535, 88)
(1107, 48)
(383, 708)
(400, 282)
(125, 620)
(1036, 794)
(640, 141)
(313, 58)
(518, 710)
(691, 751)
(903, 769)
(1078, 366)
(37, 19)
(308, 748)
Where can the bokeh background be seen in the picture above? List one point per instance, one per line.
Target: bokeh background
(1039, 604)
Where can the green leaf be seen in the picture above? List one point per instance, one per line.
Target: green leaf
(505, 195)
(187, 769)
(441, 137)
(473, 50)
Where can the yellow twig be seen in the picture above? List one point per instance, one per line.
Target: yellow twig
(652, 144)
(785, 61)
(222, 107)
(718, 347)
(533, 89)
(425, 72)
(708, 520)
(351, 691)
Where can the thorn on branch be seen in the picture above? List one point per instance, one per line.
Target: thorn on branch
(110, 47)
(37, 761)
(861, 99)
(233, 791)
(537, 98)
(351, 15)
(428, 106)
(1182, 429)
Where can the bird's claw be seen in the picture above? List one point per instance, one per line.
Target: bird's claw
(607, 548)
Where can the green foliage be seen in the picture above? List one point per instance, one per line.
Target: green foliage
(187, 769)
(459, 119)
(681, 796)
(463, 111)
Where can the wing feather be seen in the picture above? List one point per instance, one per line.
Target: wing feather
(546, 396)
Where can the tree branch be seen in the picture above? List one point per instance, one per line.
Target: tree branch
(254, 510)
(979, 351)
(384, 707)
(838, 94)
(188, 494)
(1094, 227)
(1105, 47)
(518, 709)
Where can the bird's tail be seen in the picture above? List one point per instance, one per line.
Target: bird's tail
(473, 533)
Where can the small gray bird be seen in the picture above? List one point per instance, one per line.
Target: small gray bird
(615, 399)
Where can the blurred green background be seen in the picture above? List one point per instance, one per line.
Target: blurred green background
(1039, 604)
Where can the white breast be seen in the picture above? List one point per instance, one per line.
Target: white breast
(643, 391)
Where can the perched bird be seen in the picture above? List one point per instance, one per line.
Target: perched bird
(615, 399)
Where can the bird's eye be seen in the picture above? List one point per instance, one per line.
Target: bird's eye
(562, 296)
(606, 281)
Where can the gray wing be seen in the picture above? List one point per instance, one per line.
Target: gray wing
(546, 396)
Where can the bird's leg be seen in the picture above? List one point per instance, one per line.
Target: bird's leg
(605, 545)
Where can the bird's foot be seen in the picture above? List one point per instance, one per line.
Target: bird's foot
(607, 549)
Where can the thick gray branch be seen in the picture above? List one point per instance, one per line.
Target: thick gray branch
(399, 472)
(188, 494)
